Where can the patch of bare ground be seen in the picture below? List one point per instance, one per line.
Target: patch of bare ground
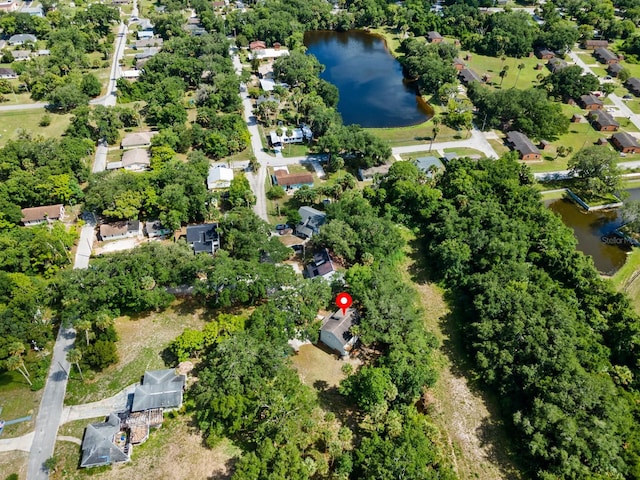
(173, 452)
(468, 419)
(14, 462)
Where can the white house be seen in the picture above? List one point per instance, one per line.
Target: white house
(8, 73)
(8, 6)
(219, 177)
(136, 160)
(137, 140)
(37, 215)
(119, 230)
(336, 331)
(22, 38)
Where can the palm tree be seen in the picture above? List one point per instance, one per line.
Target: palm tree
(520, 68)
(15, 360)
(85, 326)
(503, 73)
(103, 320)
(434, 130)
(289, 134)
(74, 356)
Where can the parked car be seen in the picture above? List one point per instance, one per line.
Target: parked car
(280, 226)
(628, 97)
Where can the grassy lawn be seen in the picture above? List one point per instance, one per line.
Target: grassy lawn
(472, 432)
(498, 146)
(626, 279)
(464, 151)
(391, 37)
(14, 462)
(315, 364)
(142, 340)
(13, 121)
(295, 151)
(17, 401)
(173, 452)
(492, 66)
(417, 134)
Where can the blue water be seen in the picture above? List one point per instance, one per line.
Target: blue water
(372, 88)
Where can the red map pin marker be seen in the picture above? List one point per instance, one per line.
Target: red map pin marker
(344, 301)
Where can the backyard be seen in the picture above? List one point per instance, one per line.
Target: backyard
(13, 121)
(140, 345)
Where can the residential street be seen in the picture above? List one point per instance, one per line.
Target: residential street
(51, 405)
(50, 411)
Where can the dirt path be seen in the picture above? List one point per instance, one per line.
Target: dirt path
(475, 438)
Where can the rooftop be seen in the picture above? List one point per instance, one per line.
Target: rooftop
(159, 389)
(522, 143)
(339, 324)
(97, 445)
(35, 214)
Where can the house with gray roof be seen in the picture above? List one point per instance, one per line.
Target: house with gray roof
(429, 164)
(8, 73)
(335, 332)
(371, 172)
(614, 69)
(22, 38)
(633, 84)
(625, 142)
(321, 266)
(603, 121)
(99, 443)
(311, 221)
(204, 237)
(556, 64)
(468, 76)
(606, 56)
(159, 389)
(525, 147)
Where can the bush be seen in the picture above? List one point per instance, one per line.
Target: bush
(45, 121)
(101, 354)
(275, 192)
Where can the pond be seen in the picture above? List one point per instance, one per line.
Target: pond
(373, 90)
(593, 229)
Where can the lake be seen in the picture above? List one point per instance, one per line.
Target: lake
(373, 91)
(592, 230)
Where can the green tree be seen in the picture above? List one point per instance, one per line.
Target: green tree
(74, 356)
(597, 170)
(90, 85)
(240, 193)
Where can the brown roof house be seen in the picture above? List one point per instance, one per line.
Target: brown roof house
(602, 121)
(625, 143)
(38, 215)
(591, 102)
(593, 44)
(120, 230)
(137, 140)
(525, 147)
(257, 45)
(556, 64)
(292, 181)
(335, 332)
(606, 56)
(434, 37)
(102, 443)
(458, 64)
(545, 54)
(633, 84)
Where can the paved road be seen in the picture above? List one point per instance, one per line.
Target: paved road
(22, 106)
(48, 418)
(51, 405)
(477, 142)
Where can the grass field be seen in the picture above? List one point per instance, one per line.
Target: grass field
(141, 342)
(417, 134)
(173, 452)
(14, 462)
(17, 401)
(12, 122)
(492, 66)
